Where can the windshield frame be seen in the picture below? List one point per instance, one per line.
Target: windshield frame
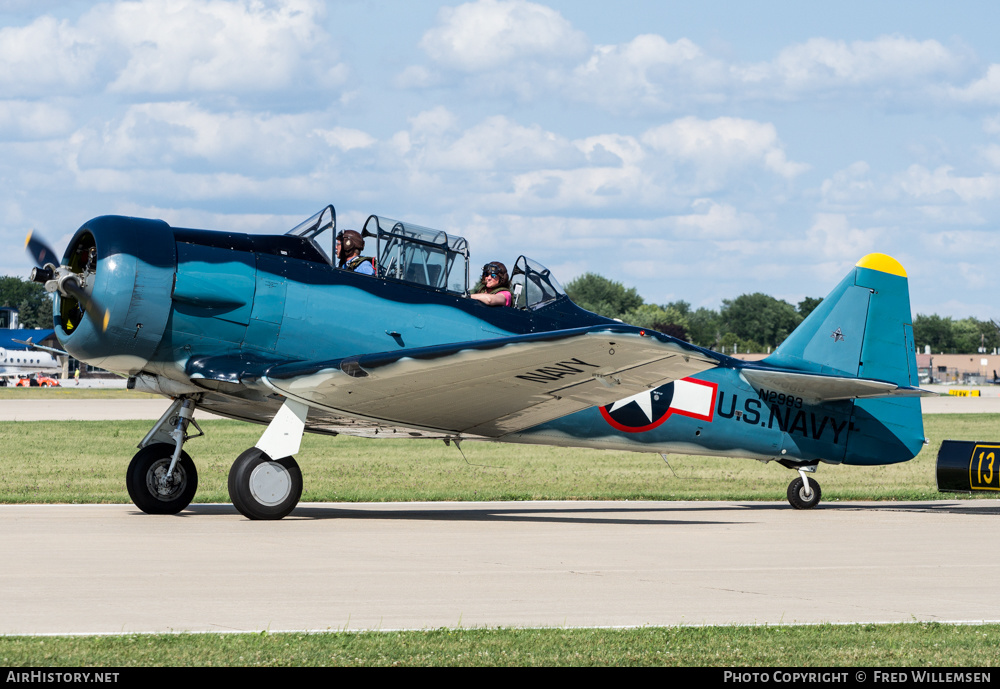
(314, 227)
(534, 285)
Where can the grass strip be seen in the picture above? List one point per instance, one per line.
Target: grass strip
(85, 462)
(864, 645)
(73, 393)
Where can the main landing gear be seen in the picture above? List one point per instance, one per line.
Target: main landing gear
(804, 493)
(262, 488)
(162, 478)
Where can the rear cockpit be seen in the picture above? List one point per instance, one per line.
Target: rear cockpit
(427, 258)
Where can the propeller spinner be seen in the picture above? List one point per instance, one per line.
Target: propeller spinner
(63, 279)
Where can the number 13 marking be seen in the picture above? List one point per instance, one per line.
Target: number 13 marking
(987, 456)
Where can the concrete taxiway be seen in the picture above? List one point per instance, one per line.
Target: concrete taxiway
(112, 569)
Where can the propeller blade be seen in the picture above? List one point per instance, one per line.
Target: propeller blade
(98, 314)
(39, 250)
(43, 255)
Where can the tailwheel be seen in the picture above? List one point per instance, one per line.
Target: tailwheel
(803, 497)
(264, 488)
(151, 488)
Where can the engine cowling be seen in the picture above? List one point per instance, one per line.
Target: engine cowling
(129, 264)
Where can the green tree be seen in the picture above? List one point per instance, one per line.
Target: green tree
(602, 296)
(703, 328)
(759, 318)
(808, 305)
(971, 334)
(29, 298)
(731, 344)
(660, 318)
(934, 330)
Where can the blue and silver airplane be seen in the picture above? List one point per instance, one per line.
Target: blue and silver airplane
(267, 329)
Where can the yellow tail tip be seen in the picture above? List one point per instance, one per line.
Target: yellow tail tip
(883, 264)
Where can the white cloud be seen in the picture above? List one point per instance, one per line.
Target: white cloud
(44, 56)
(26, 120)
(647, 72)
(416, 77)
(717, 221)
(822, 63)
(832, 236)
(850, 185)
(172, 47)
(991, 154)
(500, 144)
(197, 217)
(717, 148)
(181, 140)
(487, 34)
(346, 139)
(504, 48)
(985, 90)
(210, 46)
(942, 185)
(499, 164)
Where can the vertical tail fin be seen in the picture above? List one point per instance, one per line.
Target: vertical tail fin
(864, 329)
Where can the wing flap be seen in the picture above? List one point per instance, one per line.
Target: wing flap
(494, 387)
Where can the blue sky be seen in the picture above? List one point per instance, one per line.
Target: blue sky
(695, 151)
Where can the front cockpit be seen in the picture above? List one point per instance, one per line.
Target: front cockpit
(427, 258)
(533, 284)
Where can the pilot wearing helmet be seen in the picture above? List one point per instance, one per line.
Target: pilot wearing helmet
(493, 289)
(349, 246)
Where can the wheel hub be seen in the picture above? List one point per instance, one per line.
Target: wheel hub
(270, 484)
(160, 485)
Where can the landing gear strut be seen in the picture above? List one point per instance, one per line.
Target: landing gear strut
(161, 478)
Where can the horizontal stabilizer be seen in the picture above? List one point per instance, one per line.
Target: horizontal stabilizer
(31, 345)
(493, 387)
(814, 388)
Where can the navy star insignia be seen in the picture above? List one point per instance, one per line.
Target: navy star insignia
(643, 399)
(837, 335)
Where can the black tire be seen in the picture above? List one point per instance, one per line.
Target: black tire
(263, 488)
(797, 497)
(144, 480)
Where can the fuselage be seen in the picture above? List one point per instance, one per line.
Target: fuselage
(181, 301)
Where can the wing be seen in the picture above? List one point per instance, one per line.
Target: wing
(494, 387)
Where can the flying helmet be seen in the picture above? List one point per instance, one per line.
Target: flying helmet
(350, 241)
(498, 269)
